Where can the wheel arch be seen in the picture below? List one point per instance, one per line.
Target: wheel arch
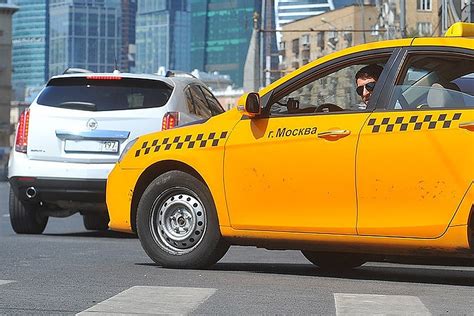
(149, 174)
(470, 228)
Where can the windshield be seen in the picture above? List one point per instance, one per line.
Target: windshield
(105, 94)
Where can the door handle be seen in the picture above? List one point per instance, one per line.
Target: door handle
(334, 134)
(467, 125)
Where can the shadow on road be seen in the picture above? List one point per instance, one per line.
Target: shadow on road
(414, 274)
(95, 234)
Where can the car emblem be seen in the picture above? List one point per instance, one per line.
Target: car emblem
(92, 124)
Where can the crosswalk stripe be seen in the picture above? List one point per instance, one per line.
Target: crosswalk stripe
(2, 282)
(370, 304)
(156, 300)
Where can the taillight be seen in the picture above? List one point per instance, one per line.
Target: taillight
(22, 132)
(170, 120)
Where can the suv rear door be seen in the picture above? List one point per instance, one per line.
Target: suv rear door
(89, 119)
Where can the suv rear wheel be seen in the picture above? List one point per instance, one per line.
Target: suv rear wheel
(96, 221)
(24, 218)
(177, 222)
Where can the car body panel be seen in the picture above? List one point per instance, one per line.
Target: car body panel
(400, 192)
(121, 199)
(205, 141)
(460, 42)
(316, 175)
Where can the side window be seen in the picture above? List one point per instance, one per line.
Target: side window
(189, 100)
(329, 92)
(200, 103)
(214, 105)
(435, 82)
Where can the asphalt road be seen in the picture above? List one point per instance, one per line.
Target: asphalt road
(69, 270)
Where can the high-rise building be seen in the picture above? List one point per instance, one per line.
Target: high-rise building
(6, 12)
(129, 13)
(163, 35)
(221, 35)
(30, 46)
(85, 34)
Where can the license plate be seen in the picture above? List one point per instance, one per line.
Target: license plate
(91, 146)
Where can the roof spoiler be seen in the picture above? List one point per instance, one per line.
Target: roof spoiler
(177, 73)
(460, 29)
(72, 70)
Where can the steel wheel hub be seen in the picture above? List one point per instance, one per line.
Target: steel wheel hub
(180, 221)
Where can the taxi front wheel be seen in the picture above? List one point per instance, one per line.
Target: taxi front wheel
(334, 261)
(177, 222)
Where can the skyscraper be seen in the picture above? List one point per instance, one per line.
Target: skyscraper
(84, 34)
(30, 46)
(129, 13)
(6, 12)
(163, 35)
(221, 35)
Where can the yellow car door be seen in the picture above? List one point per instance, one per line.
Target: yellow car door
(284, 174)
(294, 170)
(415, 159)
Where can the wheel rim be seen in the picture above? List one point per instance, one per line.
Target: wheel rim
(178, 221)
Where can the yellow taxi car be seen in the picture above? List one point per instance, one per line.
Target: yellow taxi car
(302, 164)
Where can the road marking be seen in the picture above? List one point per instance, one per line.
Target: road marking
(153, 300)
(369, 304)
(2, 282)
(6, 215)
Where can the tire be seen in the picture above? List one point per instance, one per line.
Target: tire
(177, 223)
(334, 261)
(96, 221)
(24, 218)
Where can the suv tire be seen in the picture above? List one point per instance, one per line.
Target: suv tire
(177, 223)
(96, 221)
(24, 218)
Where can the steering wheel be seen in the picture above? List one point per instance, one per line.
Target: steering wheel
(328, 107)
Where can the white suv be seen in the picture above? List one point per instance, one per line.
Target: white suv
(70, 137)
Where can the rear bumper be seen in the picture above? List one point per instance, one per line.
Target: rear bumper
(51, 190)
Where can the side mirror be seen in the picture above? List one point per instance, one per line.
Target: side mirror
(250, 104)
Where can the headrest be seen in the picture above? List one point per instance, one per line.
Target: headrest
(439, 97)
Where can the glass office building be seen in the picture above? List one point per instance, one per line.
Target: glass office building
(129, 12)
(221, 35)
(84, 34)
(163, 35)
(30, 46)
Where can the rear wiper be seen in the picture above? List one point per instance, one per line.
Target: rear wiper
(79, 105)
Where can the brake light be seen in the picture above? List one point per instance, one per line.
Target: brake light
(170, 120)
(21, 143)
(104, 77)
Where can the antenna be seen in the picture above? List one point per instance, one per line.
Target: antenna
(115, 63)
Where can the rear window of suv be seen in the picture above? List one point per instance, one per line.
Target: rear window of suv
(81, 93)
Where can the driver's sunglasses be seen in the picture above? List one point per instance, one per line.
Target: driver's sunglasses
(369, 86)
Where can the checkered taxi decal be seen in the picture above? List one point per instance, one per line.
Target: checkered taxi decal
(182, 142)
(412, 123)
